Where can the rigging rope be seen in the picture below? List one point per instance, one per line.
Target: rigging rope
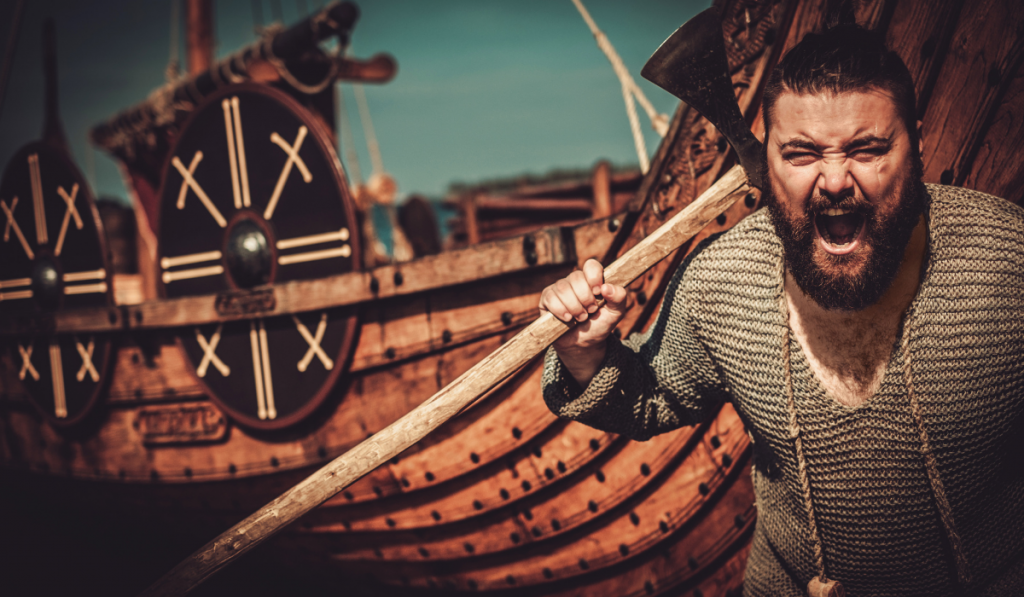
(348, 145)
(371, 137)
(630, 90)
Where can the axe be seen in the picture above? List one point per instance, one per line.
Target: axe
(691, 65)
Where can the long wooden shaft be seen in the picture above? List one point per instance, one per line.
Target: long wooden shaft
(456, 396)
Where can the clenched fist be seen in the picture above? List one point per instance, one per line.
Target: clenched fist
(575, 297)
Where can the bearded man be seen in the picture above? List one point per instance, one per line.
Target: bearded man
(869, 330)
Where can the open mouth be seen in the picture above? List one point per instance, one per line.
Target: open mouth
(839, 231)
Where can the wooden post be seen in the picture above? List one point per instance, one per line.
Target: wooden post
(601, 182)
(472, 224)
(199, 32)
(455, 397)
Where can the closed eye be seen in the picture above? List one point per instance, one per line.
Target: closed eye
(800, 158)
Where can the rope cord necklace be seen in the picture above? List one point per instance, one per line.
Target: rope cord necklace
(821, 585)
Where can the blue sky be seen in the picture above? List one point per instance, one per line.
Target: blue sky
(485, 88)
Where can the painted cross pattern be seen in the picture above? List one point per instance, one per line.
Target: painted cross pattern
(293, 159)
(236, 152)
(26, 363)
(265, 408)
(188, 182)
(314, 343)
(209, 353)
(12, 224)
(60, 402)
(72, 212)
(314, 239)
(22, 291)
(87, 366)
(196, 272)
(72, 287)
(35, 177)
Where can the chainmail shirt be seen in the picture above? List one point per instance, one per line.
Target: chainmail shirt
(718, 337)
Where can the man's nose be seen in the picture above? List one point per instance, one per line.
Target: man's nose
(834, 178)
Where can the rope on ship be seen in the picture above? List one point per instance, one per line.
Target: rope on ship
(631, 93)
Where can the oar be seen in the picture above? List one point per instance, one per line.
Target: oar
(488, 373)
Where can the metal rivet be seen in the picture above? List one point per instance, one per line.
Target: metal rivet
(648, 587)
(389, 353)
(720, 219)
(153, 475)
(405, 482)
(692, 563)
(947, 176)
(112, 316)
(374, 285)
(613, 224)
(188, 472)
(548, 574)
(423, 552)
(429, 476)
(321, 452)
(750, 200)
(594, 444)
(446, 336)
(510, 579)
(583, 564)
(536, 531)
(634, 518)
(592, 505)
(274, 462)
(527, 514)
(740, 521)
(644, 469)
(641, 297)
(377, 552)
(624, 549)
(726, 460)
(389, 522)
(526, 486)
(663, 526)
(478, 505)
(435, 515)
(506, 318)
(378, 491)
(530, 250)
(517, 433)
(599, 476)
(474, 457)
(514, 537)
(232, 469)
(715, 442)
(138, 317)
(472, 584)
(550, 474)
(348, 495)
(468, 547)
(703, 489)
(503, 493)
(555, 524)
(399, 279)
(561, 466)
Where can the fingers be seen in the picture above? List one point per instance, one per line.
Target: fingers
(576, 296)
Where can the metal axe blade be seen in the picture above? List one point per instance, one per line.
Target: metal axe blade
(691, 65)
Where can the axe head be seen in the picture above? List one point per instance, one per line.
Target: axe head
(691, 65)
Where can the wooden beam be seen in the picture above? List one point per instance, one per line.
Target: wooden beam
(458, 395)
(552, 246)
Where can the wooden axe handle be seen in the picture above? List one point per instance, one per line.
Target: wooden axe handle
(456, 396)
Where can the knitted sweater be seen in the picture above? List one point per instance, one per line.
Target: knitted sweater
(719, 336)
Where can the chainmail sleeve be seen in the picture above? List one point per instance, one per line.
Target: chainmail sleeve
(649, 384)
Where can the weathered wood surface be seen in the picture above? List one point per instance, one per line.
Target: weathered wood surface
(436, 271)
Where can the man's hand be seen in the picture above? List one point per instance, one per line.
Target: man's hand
(575, 297)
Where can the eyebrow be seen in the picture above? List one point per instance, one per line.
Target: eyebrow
(858, 143)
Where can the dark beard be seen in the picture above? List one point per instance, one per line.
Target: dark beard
(831, 283)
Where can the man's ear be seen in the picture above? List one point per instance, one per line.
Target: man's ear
(920, 139)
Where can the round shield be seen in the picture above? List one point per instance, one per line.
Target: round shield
(54, 257)
(253, 195)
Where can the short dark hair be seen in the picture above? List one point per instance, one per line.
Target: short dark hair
(844, 58)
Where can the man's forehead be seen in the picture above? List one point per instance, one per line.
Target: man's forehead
(868, 111)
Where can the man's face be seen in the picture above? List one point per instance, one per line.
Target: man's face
(845, 193)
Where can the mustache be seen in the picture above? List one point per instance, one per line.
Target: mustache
(819, 202)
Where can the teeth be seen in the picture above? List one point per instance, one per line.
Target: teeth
(836, 212)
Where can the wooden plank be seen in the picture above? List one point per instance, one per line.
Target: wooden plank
(540, 204)
(997, 167)
(920, 32)
(984, 56)
(435, 271)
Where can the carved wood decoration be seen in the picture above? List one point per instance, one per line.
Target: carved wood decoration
(505, 497)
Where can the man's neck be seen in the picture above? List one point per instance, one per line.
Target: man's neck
(849, 350)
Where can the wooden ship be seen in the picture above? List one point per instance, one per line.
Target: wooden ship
(262, 348)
